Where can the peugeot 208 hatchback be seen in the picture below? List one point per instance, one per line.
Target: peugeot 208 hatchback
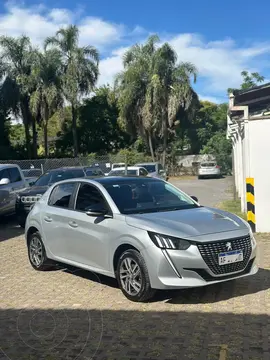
(143, 231)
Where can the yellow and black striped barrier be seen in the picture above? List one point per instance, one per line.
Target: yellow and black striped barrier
(251, 203)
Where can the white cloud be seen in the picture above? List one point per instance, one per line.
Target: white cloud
(219, 62)
(38, 22)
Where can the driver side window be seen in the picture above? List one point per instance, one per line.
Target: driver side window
(89, 197)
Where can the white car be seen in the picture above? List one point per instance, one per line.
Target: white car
(209, 169)
(131, 171)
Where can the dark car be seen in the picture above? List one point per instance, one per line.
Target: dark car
(31, 175)
(28, 197)
(93, 171)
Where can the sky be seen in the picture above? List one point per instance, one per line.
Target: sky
(221, 38)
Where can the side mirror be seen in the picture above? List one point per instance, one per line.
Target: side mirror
(4, 181)
(96, 212)
(194, 198)
(162, 172)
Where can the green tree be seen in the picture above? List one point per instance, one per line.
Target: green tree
(98, 127)
(47, 96)
(80, 70)
(16, 60)
(250, 80)
(221, 148)
(152, 89)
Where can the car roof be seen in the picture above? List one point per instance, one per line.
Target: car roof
(66, 168)
(129, 168)
(147, 163)
(4, 166)
(112, 179)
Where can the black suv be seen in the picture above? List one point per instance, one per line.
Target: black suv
(26, 199)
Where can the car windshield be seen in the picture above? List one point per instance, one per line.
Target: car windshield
(123, 172)
(52, 177)
(141, 196)
(149, 167)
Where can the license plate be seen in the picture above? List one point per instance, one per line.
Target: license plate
(230, 257)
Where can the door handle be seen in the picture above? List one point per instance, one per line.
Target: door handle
(73, 224)
(47, 219)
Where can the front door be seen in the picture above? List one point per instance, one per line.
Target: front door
(88, 237)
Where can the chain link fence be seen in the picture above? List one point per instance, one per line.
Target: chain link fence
(104, 162)
(175, 166)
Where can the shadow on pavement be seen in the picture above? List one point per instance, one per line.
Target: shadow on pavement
(202, 295)
(128, 335)
(9, 228)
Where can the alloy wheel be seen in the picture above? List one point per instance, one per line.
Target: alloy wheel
(130, 276)
(36, 251)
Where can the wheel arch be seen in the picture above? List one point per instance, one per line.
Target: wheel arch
(119, 251)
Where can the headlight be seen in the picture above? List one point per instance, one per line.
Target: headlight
(169, 242)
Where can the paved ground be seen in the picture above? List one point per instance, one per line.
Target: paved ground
(210, 192)
(73, 314)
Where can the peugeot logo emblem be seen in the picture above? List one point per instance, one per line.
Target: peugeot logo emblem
(229, 246)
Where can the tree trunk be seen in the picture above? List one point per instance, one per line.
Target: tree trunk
(26, 121)
(34, 130)
(151, 147)
(45, 134)
(165, 140)
(74, 131)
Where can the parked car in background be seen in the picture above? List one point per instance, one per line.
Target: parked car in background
(11, 182)
(209, 169)
(93, 171)
(155, 169)
(31, 175)
(25, 199)
(142, 231)
(131, 171)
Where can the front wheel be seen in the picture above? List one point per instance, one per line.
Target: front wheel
(37, 253)
(133, 278)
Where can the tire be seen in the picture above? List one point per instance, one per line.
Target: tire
(145, 292)
(36, 241)
(199, 177)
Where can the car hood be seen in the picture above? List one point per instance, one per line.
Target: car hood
(34, 190)
(190, 223)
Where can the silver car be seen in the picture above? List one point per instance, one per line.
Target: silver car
(209, 169)
(142, 231)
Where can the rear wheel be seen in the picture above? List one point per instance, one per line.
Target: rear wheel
(37, 253)
(133, 278)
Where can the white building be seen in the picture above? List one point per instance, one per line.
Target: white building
(248, 125)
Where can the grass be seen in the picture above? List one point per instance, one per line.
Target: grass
(233, 206)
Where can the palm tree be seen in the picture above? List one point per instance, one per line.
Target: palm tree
(47, 97)
(171, 88)
(80, 69)
(132, 88)
(151, 89)
(16, 60)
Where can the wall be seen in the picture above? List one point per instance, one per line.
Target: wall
(259, 162)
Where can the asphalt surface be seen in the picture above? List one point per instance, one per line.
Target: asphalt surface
(71, 314)
(210, 192)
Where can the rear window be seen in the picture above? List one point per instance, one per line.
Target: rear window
(208, 164)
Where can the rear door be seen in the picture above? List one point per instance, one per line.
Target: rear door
(56, 217)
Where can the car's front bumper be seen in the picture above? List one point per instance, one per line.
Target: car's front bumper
(22, 211)
(176, 269)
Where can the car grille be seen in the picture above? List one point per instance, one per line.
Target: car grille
(210, 251)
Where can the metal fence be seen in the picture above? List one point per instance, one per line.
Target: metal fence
(104, 162)
(175, 166)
